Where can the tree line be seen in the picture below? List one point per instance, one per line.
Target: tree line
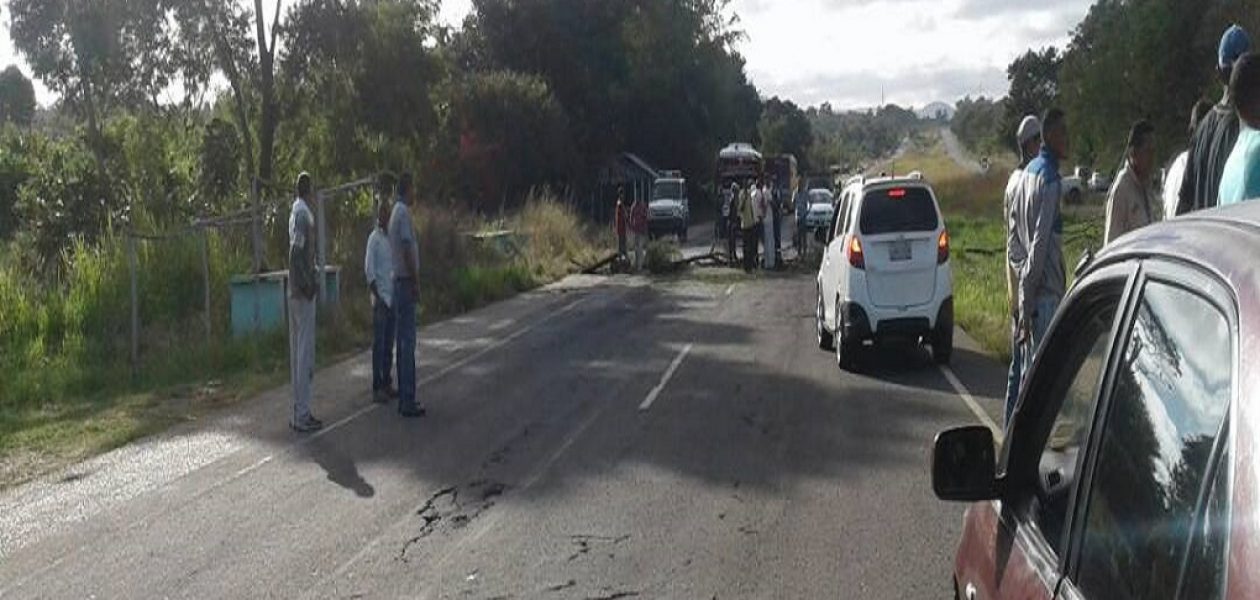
(1126, 60)
(173, 108)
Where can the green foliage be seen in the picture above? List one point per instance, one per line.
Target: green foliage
(17, 97)
(507, 134)
(63, 198)
(978, 124)
(784, 129)
(852, 139)
(1034, 79)
(220, 157)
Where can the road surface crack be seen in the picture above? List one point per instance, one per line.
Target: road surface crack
(585, 543)
(445, 506)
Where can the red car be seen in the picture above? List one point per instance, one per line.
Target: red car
(1130, 468)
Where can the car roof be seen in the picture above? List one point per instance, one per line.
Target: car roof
(1222, 241)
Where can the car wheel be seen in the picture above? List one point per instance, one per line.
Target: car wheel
(825, 339)
(943, 339)
(846, 348)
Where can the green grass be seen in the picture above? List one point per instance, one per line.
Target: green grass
(68, 389)
(973, 212)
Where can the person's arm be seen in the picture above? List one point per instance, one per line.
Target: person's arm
(1042, 235)
(369, 268)
(1185, 197)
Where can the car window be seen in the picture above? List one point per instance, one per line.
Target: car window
(1205, 573)
(672, 190)
(898, 210)
(1074, 392)
(1168, 402)
(840, 221)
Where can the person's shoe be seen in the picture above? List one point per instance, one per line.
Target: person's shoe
(392, 392)
(411, 412)
(380, 396)
(306, 425)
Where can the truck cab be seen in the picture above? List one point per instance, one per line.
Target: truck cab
(669, 210)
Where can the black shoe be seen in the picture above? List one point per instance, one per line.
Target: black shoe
(392, 392)
(306, 425)
(380, 397)
(412, 412)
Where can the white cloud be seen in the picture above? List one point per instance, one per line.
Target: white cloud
(915, 51)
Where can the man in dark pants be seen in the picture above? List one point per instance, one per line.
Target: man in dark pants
(748, 227)
(403, 242)
(732, 222)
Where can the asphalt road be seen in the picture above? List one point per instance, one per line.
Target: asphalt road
(603, 438)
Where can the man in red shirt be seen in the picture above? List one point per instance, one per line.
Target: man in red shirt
(639, 230)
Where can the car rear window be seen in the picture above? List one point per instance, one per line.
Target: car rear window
(671, 190)
(898, 210)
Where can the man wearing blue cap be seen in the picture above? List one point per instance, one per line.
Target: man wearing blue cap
(1217, 133)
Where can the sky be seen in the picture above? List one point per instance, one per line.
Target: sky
(851, 53)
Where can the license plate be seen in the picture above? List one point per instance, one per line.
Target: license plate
(899, 251)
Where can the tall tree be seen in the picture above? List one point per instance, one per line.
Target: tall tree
(784, 129)
(1034, 86)
(17, 97)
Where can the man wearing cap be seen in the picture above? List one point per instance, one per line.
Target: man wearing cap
(1028, 136)
(406, 251)
(1217, 133)
(303, 287)
(1037, 229)
(1129, 201)
(1241, 179)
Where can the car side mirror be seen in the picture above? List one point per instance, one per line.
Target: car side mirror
(963, 465)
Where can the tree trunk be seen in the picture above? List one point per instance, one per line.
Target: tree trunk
(266, 62)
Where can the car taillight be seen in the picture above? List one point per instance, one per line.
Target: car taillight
(942, 247)
(897, 193)
(856, 258)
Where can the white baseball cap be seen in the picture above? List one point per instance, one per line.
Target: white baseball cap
(1029, 128)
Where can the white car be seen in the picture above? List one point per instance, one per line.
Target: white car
(885, 275)
(668, 211)
(1099, 182)
(821, 208)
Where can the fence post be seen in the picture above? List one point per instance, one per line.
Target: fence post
(135, 307)
(205, 272)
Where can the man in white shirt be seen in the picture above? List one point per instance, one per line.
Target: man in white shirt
(303, 287)
(378, 267)
(1177, 170)
(406, 252)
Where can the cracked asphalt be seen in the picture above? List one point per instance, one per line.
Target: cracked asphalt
(759, 471)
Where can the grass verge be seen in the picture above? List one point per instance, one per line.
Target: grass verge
(68, 390)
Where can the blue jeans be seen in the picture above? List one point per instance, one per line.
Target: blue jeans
(1044, 308)
(405, 321)
(1014, 375)
(382, 346)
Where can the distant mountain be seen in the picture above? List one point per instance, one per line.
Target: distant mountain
(935, 110)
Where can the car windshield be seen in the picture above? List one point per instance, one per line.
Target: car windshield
(898, 210)
(820, 197)
(671, 190)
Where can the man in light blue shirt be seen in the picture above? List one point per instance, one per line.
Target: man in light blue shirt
(1241, 179)
(378, 267)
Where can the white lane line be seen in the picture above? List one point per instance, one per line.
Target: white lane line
(730, 288)
(656, 391)
(971, 403)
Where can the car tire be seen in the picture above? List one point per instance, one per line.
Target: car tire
(846, 349)
(826, 340)
(943, 339)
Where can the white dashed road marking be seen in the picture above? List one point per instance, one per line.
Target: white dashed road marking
(673, 366)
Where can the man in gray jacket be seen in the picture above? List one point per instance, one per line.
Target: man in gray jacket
(1029, 138)
(1037, 226)
(1129, 202)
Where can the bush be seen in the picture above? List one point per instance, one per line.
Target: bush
(662, 258)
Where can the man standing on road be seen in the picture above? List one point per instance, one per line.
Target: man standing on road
(1028, 136)
(1241, 179)
(1038, 227)
(639, 230)
(1215, 138)
(303, 286)
(406, 251)
(1177, 170)
(378, 267)
(748, 225)
(766, 217)
(778, 218)
(1129, 203)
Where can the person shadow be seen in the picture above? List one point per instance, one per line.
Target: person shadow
(340, 468)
